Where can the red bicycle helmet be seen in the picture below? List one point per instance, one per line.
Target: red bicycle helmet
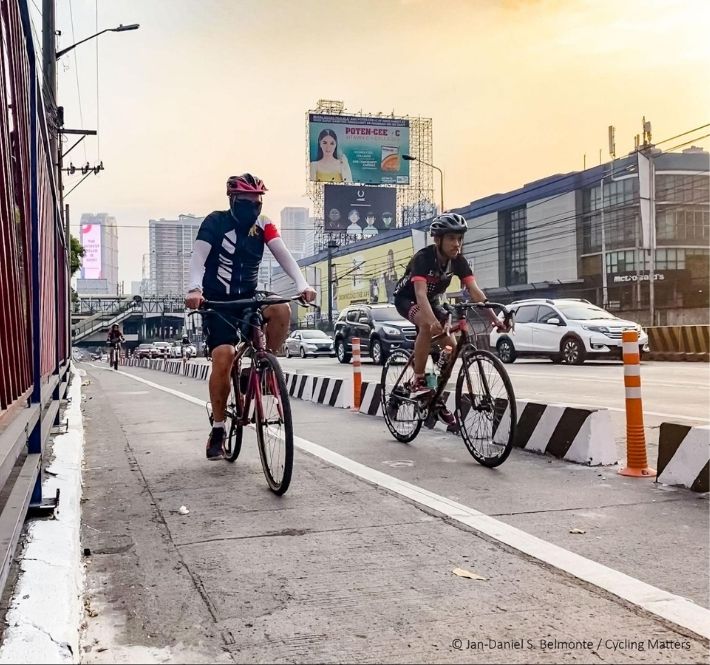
(237, 184)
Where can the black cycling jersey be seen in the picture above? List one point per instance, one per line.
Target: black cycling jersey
(232, 267)
(425, 266)
(114, 336)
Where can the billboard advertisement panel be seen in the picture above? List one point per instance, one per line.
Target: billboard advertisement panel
(359, 211)
(366, 275)
(91, 241)
(358, 149)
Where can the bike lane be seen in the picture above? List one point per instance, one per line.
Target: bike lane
(335, 570)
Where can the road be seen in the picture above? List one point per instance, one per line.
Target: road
(355, 563)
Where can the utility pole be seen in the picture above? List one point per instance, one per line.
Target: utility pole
(331, 246)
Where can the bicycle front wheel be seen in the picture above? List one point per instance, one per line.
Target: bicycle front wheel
(485, 408)
(402, 416)
(274, 426)
(234, 429)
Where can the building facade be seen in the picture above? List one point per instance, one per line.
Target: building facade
(578, 234)
(295, 227)
(99, 269)
(170, 244)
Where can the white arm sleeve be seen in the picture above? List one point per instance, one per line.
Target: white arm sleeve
(288, 263)
(200, 252)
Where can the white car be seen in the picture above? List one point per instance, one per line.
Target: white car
(564, 330)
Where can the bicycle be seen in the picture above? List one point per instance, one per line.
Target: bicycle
(114, 353)
(258, 393)
(485, 419)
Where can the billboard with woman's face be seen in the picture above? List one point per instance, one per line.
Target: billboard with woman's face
(358, 149)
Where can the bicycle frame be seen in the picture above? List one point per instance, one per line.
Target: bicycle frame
(464, 339)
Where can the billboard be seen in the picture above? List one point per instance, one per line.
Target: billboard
(91, 241)
(358, 149)
(365, 275)
(359, 211)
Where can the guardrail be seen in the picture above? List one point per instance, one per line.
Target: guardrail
(34, 317)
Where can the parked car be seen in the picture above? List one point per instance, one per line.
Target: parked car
(380, 328)
(309, 343)
(163, 348)
(565, 330)
(147, 351)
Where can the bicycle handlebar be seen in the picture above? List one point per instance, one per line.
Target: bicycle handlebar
(241, 303)
(507, 314)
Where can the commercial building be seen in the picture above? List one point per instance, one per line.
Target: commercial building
(545, 240)
(295, 228)
(170, 244)
(99, 270)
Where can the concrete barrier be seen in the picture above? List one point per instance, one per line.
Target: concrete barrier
(680, 343)
(684, 456)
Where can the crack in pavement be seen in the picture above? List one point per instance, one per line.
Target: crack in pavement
(296, 532)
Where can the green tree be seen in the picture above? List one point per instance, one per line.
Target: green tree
(77, 251)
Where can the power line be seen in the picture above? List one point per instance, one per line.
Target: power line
(677, 136)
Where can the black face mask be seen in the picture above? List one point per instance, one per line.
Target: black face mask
(245, 211)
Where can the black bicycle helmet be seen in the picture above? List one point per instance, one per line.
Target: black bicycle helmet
(449, 222)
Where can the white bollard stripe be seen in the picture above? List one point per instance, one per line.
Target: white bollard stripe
(633, 393)
(632, 370)
(631, 348)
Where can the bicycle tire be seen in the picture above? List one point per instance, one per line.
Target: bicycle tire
(502, 405)
(269, 365)
(233, 439)
(402, 434)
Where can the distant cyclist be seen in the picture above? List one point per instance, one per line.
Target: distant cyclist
(225, 266)
(114, 339)
(418, 293)
(185, 349)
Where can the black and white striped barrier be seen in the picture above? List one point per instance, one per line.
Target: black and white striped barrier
(577, 435)
(320, 389)
(684, 456)
(584, 436)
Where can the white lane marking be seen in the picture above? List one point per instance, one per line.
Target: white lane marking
(668, 606)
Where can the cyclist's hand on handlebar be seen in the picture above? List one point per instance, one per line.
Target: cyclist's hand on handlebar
(308, 294)
(194, 299)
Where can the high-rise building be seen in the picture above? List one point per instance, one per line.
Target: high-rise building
(171, 242)
(295, 224)
(99, 266)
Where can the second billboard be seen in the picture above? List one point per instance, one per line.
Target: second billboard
(359, 211)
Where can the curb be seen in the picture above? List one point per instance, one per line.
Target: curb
(684, 456)
(46, 607)
(582, 436)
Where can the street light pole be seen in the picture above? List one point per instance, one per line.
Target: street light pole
(412, 158)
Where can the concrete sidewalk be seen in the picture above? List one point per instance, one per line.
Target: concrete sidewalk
(335, 571)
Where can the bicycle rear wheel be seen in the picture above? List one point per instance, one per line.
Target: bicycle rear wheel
(485, 408)
(401, 416)
(274, 426)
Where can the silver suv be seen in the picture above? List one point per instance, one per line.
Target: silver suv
(565, 330)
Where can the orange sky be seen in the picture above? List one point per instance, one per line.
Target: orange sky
(517, 89)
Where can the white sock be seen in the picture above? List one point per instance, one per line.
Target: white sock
(216, 424)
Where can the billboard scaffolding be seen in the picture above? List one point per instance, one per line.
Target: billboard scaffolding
(415, 200)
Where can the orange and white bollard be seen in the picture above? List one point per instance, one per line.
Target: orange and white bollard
(636, 458)
(357, 373)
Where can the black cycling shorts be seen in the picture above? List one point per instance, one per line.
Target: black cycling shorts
(230, 326)
(408, 308)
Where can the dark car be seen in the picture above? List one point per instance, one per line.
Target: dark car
(380, 328)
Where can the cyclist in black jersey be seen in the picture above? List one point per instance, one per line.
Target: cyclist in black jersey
(417, 295)
(225, 266)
